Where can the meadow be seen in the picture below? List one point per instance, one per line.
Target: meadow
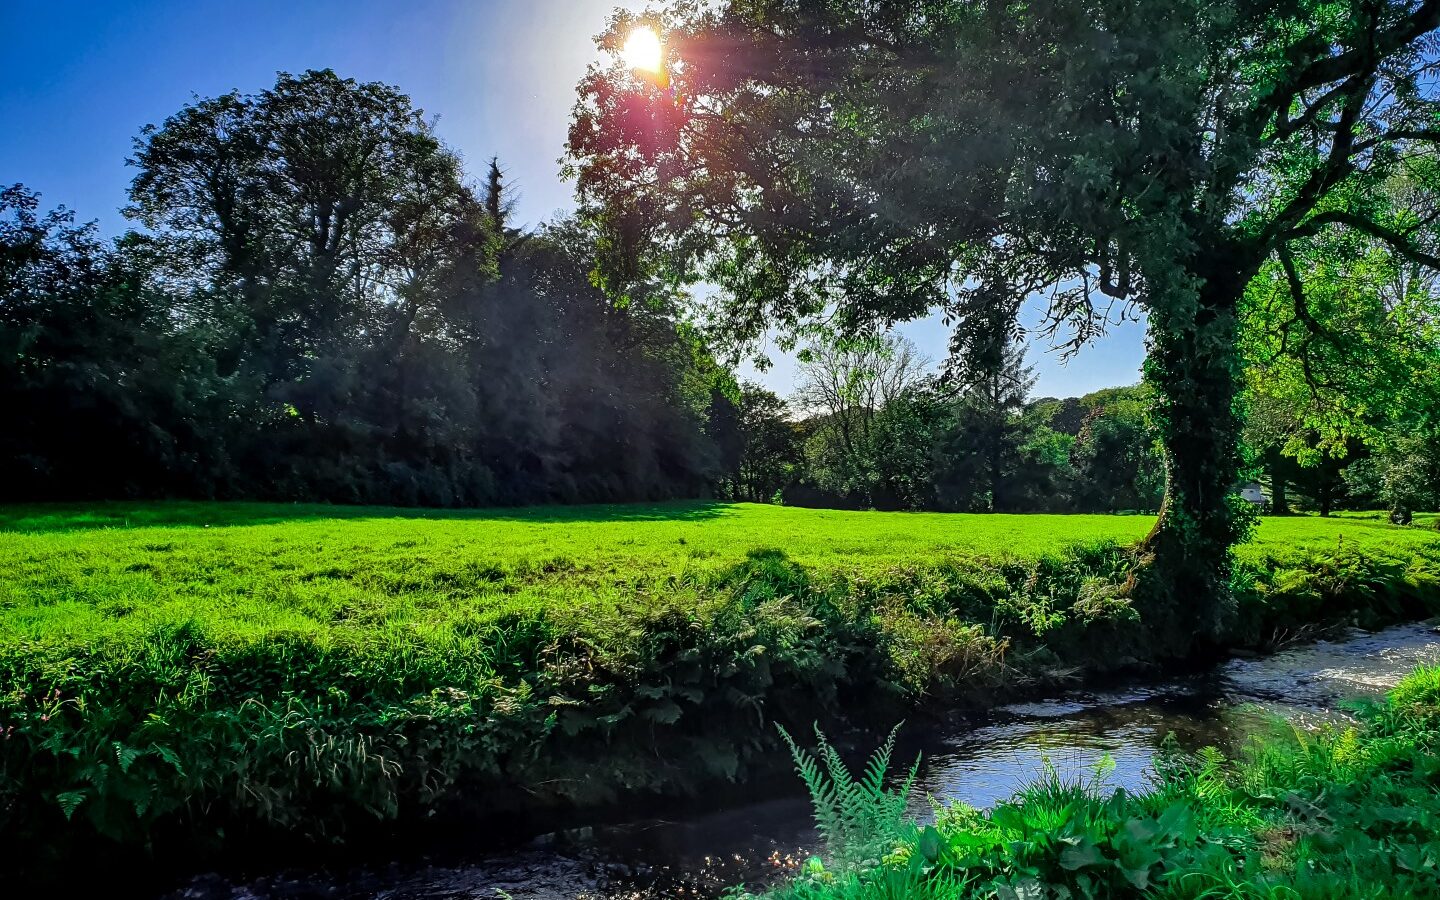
(173, 673)
(256, 569)
(101, 572)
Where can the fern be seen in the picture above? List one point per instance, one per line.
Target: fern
(856, 817)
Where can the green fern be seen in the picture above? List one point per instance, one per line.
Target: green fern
(856, 817)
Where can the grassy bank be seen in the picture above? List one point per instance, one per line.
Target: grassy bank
(1345, 812)
(172, 673)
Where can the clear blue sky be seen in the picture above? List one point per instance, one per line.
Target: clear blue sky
(79, 79)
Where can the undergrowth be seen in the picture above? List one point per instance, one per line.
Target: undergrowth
(273, 707)
(1347, 811)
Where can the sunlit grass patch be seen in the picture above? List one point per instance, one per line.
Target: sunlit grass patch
(78, 572)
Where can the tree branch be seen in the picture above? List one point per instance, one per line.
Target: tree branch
(1337, 164)
(1394, 239)
(1347, 64)
(1308, 115)
(1427, 135)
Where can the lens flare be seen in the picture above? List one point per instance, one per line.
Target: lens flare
(643, 50)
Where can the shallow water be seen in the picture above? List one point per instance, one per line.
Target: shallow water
(979, 762)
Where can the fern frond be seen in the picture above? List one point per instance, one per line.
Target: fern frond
(856, 817)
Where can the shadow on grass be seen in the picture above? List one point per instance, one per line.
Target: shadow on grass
(47, 517)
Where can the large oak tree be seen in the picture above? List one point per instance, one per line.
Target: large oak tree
(863, 162)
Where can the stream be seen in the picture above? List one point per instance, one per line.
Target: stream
(978, 761)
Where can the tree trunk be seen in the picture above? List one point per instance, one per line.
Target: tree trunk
(1279, 499)
(1182, 585)
(993, 465)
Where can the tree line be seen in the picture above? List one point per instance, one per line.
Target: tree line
(319, 304)
(873, 427)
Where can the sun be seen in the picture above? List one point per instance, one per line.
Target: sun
(643, 50)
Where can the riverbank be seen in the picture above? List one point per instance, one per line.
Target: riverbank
(761, 838)
(1345, 811)
(205, 674)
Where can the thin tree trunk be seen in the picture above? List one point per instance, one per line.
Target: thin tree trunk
(1279, 499)
(995, 500)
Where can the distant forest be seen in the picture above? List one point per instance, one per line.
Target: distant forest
(319, 303)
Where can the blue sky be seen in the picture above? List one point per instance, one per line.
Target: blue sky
(78, 80)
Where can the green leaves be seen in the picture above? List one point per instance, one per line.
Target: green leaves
(666, 712)
(859, 818)
(931, 845)
(1082, 852)
(70, 801)
(125, 756)
(1321, 827)
(1027, 889)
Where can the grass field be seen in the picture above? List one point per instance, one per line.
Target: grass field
(97, 572)
(173, 672)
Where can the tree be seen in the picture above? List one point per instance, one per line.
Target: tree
(864, 398)
(1066, 416)
(95, 377)
(1404, 475)
(315, 211)
(903, 446)
(1342, 347)
(1046, 478)
(854, 163)
(316, 228)
(772, 451)
(581, 399)
(1117, 464)
(1270, 435)
(981, 454)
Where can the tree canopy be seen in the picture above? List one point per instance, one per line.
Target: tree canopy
(321, 305)
(852, 165)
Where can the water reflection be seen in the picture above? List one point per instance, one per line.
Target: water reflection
(989, 762)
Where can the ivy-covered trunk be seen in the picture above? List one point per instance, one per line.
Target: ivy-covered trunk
(1182, 584)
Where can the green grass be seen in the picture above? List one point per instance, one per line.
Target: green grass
(173, 672)
(1368, 532)
(249, 570)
